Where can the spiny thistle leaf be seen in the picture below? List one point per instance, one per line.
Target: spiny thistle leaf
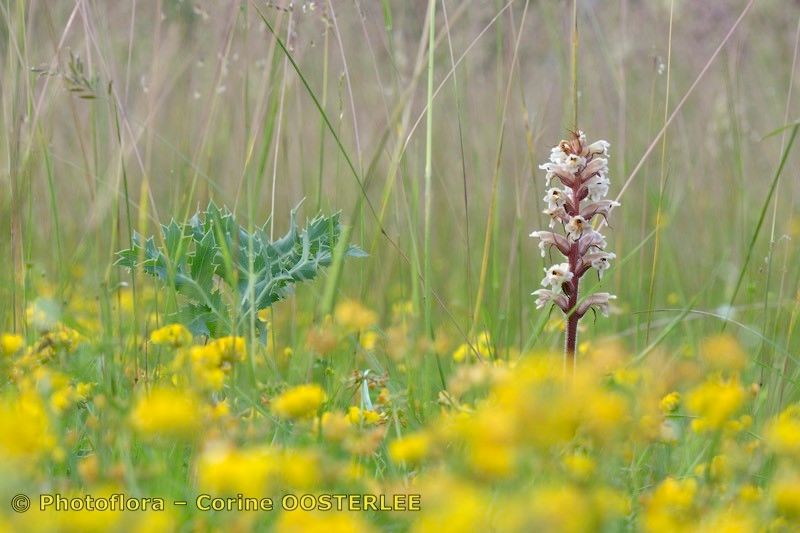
(212, 250)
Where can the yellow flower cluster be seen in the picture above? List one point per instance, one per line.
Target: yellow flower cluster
(207, 366)
(299, 402)
(508, 443)
(169, 413)
(174, 335)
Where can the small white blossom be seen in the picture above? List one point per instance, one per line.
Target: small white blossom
(545, 296)
(557, 275)
(598, 187)
(598, 300)
(599, 148)
(573, 162)
(548, 238)
(561, 171)
(576, 227)
(600, 207)
(557, 214)
(596, 167)
(592, 239)
(555, 198)
(600, 261)
(557, 155)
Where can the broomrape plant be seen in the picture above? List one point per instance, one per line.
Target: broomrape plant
(582, 170)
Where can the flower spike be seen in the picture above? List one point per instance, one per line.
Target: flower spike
(582, 170)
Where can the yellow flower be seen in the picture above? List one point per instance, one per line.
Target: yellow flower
(169, 413)
(230, 349)
(369, 339)
(366, 417)
(669, 507)
(482, 345)
(786, 495)
(715, 401)
(10, 344)
(299, 521)
(175, 335)
(782, 434)
(206, 366)
(492, 461)
(546, 509)
(302, 401)
(334, 426)
(720, 469)
(411, 449)
(670, 403)
(723, 352)
(750, 494)
(25, 428)
(461, 353)
(605, 413)
(354, 317)
(223, 470)
(580, 466)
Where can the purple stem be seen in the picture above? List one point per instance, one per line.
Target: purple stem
(573, 209)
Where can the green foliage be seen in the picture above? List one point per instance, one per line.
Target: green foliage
(212, 256)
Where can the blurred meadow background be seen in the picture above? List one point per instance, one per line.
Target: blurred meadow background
(120, 116)
(178, 103)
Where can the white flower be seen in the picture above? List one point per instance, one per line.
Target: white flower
(600, 207)
(543, 296)
(600, 261)
(599, 148)
(557, 275)
(596, 167)
(591, 239)
(573, 162)
(560, 171)
(556, 214)
(598, 187)
(598, 300)
(562, 164)
(548, 238)
(555, 198)
(576, 227)
(557, 155)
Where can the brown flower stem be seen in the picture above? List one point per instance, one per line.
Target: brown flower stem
(572, 317)
(574, 257)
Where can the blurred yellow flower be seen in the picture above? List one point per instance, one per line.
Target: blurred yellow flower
(302, 401)
(670, 403)
(334, 426)
(10, 344)
(167, 412)
(723, 352)
(410, 449)
(715, 401)
(580, 466)
(367, 417)
(25, 429)
(224, 470)
(175, 335)
(230, 349)
(786, 496)
(670, 506)
(299, 521)
(782, 434)
(353, 316)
